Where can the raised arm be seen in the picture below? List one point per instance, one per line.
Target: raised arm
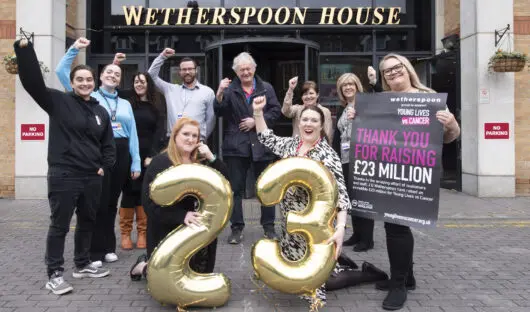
(64, 67)
(134, 149)
(31, 76)
(287, 107)
(221, 101)
(278, 145)
(272, 110)
(451, 127)
(154, 70)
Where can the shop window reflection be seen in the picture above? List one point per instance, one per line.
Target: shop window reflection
(335, 3)
(180, 43)
(116, 7)
(351, 42)
(395, 41)
(258, 3)
(331, 67)
(183, 3)
(126, 43)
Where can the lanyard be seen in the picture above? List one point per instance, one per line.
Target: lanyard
(112, 111)
(309, 150)
(185, 99)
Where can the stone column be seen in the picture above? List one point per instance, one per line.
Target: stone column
(488, 165)
(45, 18)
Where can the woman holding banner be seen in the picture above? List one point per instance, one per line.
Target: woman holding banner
(312, 144)
(347, 87)
(398, 75)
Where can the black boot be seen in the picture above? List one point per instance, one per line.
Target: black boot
(362, 246)
(345, 261)
(396, 297)
(400, 248)
(378, 274)
(355, 238)
(410, 283)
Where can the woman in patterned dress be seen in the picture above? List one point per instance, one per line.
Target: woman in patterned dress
(311, 144)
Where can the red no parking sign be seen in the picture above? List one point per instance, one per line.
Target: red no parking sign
(32, 132)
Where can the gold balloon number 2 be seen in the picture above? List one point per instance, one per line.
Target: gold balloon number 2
(314, 223)
(170, 279)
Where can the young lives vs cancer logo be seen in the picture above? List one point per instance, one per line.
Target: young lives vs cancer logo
(414, 116)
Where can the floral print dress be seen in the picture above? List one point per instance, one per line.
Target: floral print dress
(294, 246)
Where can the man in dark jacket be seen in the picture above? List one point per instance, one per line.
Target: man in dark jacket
(241, 147)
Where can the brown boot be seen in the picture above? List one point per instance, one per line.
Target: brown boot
(141, 227)
(126, 224)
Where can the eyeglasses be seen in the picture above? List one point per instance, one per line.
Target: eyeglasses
(394, 69)
(187, 69)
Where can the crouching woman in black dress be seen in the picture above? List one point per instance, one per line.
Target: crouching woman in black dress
(183, 148)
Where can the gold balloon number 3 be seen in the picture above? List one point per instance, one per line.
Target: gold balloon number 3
(170, 279)
(314, 223)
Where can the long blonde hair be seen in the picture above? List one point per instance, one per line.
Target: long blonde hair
(172, 151)
(414, 80)
(344, 79)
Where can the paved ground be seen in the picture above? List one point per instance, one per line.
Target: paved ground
(476, 260)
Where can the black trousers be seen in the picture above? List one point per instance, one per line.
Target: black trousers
(104, 238)
(132, 191)
(237, 169)
(69, 191)
(362, 227)
(400, 248)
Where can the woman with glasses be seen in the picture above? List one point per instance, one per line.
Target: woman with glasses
(363, 229)
(398, 75)
(127, 152)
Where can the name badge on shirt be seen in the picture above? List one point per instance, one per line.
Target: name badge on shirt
(180, 115)
(116, 126)
(345, 146)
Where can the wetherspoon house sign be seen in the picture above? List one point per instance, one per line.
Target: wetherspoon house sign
(140, 16)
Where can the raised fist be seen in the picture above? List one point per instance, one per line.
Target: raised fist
(168, 52)
(372, 77)
(293, 82)
(81, 43)
(118, 58)
(224, 84)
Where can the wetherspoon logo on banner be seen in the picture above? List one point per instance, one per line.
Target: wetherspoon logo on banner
(140, 16)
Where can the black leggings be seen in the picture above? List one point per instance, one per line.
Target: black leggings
(362, 227)
(351, 276)
(104, 237)
(400, 248)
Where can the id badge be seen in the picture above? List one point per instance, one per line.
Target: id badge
(116, 126)
(345, 146)
(180, 115)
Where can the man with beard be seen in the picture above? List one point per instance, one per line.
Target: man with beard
(191, 99)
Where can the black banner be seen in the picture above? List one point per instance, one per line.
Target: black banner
(395, 157)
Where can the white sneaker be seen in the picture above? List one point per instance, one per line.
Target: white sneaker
(111, 257)
(58, 285)
(97, 264)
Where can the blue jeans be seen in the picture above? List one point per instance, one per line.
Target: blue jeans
(69, 192)
(237, 168)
